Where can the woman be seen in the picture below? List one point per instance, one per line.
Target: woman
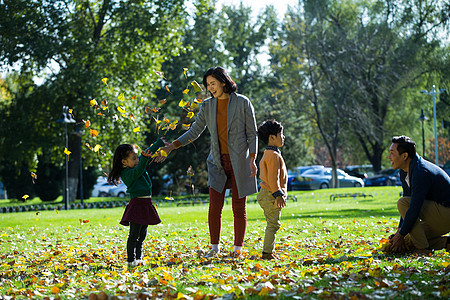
(230, 119)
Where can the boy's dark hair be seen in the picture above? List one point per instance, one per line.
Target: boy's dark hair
(121, 152)
(220, 74)
(267, 128)
(405, 144)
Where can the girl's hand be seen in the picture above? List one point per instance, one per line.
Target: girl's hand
(167, 148)
(253, 168)
(146, 153)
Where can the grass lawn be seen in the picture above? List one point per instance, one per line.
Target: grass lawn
(327, 249)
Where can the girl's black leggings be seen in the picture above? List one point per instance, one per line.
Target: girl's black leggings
(136, 238)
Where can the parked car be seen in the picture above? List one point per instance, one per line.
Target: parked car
(101, 188)
(360, 171)
(297, 172)
(321, 179)
(388, 177)
(118, 191)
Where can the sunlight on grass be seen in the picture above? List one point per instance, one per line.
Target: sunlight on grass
(327, 249)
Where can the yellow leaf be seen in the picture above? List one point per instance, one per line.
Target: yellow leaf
(190, 115)
(186, 126)
(197, 87)
(97, 147)
(184, 71)
(55, 290)
(186, 91)
(25, 197)
(167, 88)
(121, 97)
(163, 153)
(89, 146)
(182, 103)
(56, 211)
(70, 110)
(137, 129)
(104, 80)
(121, 109)
(194, 105)
(167, 277)
(87, 123)
(67, 152)
(93, 102)
(94, 132)
(166, 120)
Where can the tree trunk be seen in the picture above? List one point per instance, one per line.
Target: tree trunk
(74, 164)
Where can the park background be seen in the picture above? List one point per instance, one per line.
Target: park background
(342, 76)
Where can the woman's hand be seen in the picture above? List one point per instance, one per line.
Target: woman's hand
(167, 149)
(253, 168)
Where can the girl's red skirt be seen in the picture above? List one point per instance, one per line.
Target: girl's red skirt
(140, 211)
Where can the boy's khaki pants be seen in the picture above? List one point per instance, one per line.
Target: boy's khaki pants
(433, 222)
(272, 214)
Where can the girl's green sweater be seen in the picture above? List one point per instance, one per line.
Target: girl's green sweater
(136, 179)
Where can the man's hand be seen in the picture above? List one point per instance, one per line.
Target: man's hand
(398, 243)
(253, 168)
(280, 202)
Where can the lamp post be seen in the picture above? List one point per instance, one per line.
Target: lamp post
(66, 118)
(422, 119)
(79, 133)
(433, 92)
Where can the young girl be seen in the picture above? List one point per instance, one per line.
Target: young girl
(140, 211)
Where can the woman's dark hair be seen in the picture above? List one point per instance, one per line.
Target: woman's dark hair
(267, 128)
(122, 152)
(405, 144)
(220, 74)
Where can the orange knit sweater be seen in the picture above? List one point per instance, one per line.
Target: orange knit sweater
(273, 172)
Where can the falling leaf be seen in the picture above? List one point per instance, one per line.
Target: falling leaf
(94, 132)
(161, 74)
(186, 91)
(87, 123)
(121, 97)
(166, 120)
(162, 101)
(184, 71)
(190, 114)
(197, 87)
(182, 103)
(97, 147)
(163, 153)
(93, 102)
(100, 114)
(194, 105)
(104, 80)
(167, 88)
(132, 117)
(133, 97)
(104, 102)
(198, 100)
(67, 152)
(56, 211)
(70, 111)
(121, 109)
(157, 121)
(89, 146)
(186, 126)
(190, 171)
(137, 129)
(169, 198)
(156, 109)
(25, 197)
(33, 177)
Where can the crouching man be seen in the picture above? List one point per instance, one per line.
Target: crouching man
(425, 205)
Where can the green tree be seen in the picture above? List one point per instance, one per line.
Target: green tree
(83, 42)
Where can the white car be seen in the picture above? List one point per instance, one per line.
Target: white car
(101, 188)
(118, 191)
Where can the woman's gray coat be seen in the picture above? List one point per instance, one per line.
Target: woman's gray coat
(242, 140)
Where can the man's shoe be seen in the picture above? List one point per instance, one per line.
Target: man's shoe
(132, 265)
(140, 262)
(212, 253)
(425, 252)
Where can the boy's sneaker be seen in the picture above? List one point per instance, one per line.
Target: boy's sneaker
(269, 256)
(132, 264)
(140, 262)
(212, 253)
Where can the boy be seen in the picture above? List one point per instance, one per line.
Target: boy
(273, 175)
